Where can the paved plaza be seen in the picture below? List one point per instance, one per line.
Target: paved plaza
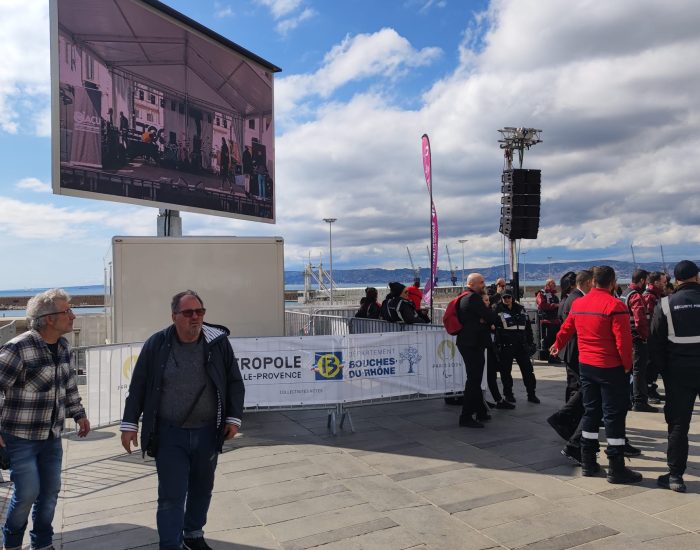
(408, 477)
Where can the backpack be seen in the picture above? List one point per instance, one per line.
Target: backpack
(451, 317)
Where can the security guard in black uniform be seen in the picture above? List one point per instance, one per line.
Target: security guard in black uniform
(515, 341)
(675, 345)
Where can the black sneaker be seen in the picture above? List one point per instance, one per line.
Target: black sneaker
(196, 544)
(675, 483)
(655, 395)
(510, 398)
(469, 422)
(644, 408)
(503, 404)
(654, 401)
(490, 405)
(631, 451)
(573, 454)
(483, 417)
(532, 398)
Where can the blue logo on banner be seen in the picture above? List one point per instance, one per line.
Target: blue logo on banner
(328, 365)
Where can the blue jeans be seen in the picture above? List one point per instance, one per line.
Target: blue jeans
(35, 470)
(186, 461)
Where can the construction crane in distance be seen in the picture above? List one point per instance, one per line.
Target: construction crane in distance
(453, 275)
(416, 272)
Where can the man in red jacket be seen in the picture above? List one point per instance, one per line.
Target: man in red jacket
(601, 323)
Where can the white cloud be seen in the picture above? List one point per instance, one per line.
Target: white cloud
(280, 8)
(383, 53)
(613, 88)
(618, 109)
(291, 23)
(289, 14)
(33, 184)
(221, 10)
(24, 70)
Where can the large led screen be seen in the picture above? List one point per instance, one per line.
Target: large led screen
(151, 108)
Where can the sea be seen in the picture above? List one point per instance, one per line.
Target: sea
(100, 289)
(72, 290)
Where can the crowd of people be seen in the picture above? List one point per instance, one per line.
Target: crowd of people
(615, 346)
(401, 305)
(187, 387)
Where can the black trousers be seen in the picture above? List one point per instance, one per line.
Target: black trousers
(520, 353)
(640, 358)
(473, 400)
(605, 397)
(573, 379)
(549, 334)
(493, 366)
(682, 388)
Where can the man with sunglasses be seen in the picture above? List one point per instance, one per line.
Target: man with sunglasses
(187, 384)
(40, 391)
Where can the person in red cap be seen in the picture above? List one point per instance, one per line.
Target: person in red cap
(602, 325)
(415, 294)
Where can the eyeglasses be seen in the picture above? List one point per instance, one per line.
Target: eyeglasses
(190, 312)
(69, 311)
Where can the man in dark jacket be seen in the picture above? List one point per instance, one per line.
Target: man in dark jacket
(515, 341)
(547, 311)
(675, 345)
(369, 307)
(187, 384)
(632, 297)
(656, 289)
(476, 318)
(397, 308)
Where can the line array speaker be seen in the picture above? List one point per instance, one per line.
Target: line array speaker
(520, 210)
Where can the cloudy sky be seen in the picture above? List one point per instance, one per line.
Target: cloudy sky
(613, 85)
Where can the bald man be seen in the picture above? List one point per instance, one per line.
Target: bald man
(476, 318)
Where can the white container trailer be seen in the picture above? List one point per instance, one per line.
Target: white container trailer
(240, 280)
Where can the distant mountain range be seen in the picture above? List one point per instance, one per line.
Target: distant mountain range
(532, 272)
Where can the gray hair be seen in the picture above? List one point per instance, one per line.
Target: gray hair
(44, 304)
(175, 303)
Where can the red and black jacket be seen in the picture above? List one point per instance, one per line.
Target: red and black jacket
(602, 325)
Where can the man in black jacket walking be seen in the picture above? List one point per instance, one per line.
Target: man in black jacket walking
(187, 384)
(675, 345)
(476, 318)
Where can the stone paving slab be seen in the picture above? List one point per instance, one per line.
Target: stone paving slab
(409, 477)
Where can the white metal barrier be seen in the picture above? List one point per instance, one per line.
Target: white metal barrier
(332, 372)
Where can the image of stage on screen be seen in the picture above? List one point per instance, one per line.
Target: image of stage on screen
(151, 111)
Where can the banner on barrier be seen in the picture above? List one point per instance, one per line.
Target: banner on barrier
(310, 370)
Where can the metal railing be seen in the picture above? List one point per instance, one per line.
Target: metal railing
(8, 332)
(365, 326)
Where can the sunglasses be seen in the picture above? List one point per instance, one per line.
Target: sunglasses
(190, 312)
(68, 311)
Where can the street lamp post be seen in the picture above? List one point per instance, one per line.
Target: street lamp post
(524, 275)
(330, 221)
(462, 241)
